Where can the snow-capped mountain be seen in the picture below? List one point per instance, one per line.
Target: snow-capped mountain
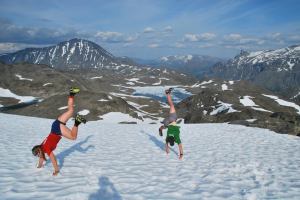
(196, 65)
(75, 53)
(276, 70)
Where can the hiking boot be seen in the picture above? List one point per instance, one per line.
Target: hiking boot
(74, 90)
(79, 119)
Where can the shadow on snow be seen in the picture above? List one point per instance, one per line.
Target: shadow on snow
(76, 147)
(159, 143)
(107, 191)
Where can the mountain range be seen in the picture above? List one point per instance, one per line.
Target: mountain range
(113, 84)
(276, 70)
(196, 65)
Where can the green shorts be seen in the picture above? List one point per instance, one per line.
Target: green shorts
(174, 131)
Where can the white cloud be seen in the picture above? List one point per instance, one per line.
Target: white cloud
(110, 36)
(179, 45)
(115, 37)
(199, 37)
(294, 38)
(239, 47)
(204, 46)
(13, 47)
(11, 33)
(149, 30)
(238, 39)
(154, 45)
(275, 35)
(233, 37)
(131, 39)
(207, 36)
(168, 29)
(190, 37)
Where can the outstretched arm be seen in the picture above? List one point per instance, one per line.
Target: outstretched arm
(161, 129)
(54, 163)
(41, 161)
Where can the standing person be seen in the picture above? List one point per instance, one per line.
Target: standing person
(173, 133)
(59, 129)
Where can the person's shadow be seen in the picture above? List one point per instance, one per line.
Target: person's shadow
(107, 191)
(159, 143)
(76, 147)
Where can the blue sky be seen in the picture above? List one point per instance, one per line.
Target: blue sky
(153, 28)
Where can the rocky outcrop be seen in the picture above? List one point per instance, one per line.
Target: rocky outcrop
(239, 103)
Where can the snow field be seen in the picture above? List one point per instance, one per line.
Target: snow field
(114, 161)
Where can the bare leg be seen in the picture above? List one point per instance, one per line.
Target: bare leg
(180, 151)
(172, 107)
(67, 115)
(67, 133)
(167, 148)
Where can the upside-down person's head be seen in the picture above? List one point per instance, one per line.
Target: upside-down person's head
(38, 151)
(170, 140)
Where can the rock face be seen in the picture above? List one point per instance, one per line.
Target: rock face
(242, 103)
(277, 70)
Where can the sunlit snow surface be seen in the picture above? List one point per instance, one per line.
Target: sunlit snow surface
(115, 161)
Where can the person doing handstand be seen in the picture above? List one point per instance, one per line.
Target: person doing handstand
(173, 133)
(58, 130)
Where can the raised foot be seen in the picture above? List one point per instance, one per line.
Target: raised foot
(80, 119)
(74, 90)
(168, 91)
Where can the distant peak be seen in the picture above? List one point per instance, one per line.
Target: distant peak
(244, 53)
(77, 40)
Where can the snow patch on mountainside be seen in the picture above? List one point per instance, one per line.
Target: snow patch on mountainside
(84, 112)
(22, 99)
(25, 79)
(248, 102)
(284, 103)
(223, 107)
(202, 83)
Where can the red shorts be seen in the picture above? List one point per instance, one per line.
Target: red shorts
(50, 143)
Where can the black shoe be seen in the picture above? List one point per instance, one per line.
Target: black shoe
(168, 91)
(80, 119)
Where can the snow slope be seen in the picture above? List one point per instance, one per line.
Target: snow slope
(114, 161)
